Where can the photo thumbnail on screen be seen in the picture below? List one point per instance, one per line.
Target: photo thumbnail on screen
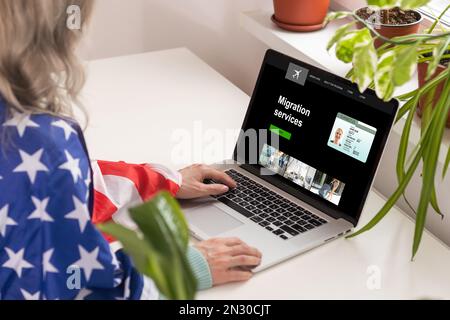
(301, 174)
(273, 159)
(352, 137)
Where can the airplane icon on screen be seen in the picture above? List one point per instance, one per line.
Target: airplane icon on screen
(296, 74)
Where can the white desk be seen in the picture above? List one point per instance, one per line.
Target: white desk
(135, 104)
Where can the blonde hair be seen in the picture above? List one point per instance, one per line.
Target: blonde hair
(39, 69)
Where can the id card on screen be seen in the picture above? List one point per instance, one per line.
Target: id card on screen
(352, 137)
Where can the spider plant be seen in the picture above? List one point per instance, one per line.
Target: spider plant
(388, 67)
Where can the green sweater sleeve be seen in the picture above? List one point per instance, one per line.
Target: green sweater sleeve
(200, 268)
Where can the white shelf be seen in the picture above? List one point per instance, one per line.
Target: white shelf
(311, 48)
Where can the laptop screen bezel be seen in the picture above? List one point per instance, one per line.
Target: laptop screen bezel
(390, 107)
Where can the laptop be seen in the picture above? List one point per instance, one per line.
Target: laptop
(304, 162)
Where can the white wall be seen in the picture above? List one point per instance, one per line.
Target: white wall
(208, 28)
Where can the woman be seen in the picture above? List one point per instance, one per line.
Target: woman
(49, 246)
(334, 186)
(337, 137)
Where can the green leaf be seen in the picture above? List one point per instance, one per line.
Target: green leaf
(412, 4)
(438, 52)
(382, 3)
(160, 218)
(365, 62)
(435, 204)
(447, 163)
(345, 47)
(134, 246)
(404, 139)
(159, 248)
(405, 64)
(430, 165)
(384, 86)
(340, 32)
(393, 198)
(336, 15)
(438, 19)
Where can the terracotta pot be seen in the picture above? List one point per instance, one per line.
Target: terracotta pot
(301, 12)
(422, 73)
(392, 31)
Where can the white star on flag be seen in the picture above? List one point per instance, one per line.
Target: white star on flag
(88, 261)
(48, 267)
(72, 165)
(126, 293)
(21, 121)
(31, 164)
(5, 220)
(29, 296)
(16, 261)
(87, 181)
(80, 213)
(68, 130)
(40, 211)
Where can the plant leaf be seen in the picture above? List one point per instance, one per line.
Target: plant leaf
(412, 4)
(405, 64)
(435, 203)
(340, 32)
(345, 47)
(382, 3)
(162, 217)
(160, 251)
(162, 224)
(430, 165)
(446, 164)
(392, 199)
(336, 15)
(438, 52)
(365, 62)
(138, 249)
(384, 86)
(404, 139)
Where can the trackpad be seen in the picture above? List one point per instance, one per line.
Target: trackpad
(212, 220)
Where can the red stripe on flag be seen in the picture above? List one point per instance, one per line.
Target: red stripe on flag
(147, 181)
(104, 209)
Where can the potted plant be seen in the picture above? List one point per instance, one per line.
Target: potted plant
(300, 15)
(390, 22)
(390, 66)
(158, 248)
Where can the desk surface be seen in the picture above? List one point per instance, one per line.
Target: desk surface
(139, 108)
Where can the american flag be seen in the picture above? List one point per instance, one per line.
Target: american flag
(51, 196)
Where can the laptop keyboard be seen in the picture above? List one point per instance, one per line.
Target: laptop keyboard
(269, 210)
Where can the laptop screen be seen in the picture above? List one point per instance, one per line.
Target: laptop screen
(317, 137)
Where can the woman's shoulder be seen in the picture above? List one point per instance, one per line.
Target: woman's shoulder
(26, 135)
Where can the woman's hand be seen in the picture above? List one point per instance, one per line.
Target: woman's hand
(229, 259)
(193, 187)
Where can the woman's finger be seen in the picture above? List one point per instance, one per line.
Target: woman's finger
(214, 189)
(244, 249)
(237, 275)
(219, 176)
(244, 261)
(232, 241)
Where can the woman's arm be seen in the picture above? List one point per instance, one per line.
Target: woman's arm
(120, 185)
